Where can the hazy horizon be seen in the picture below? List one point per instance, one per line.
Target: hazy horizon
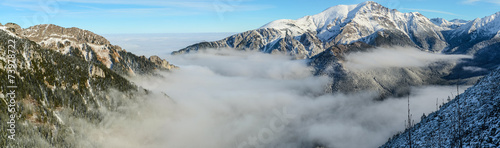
(161, 44)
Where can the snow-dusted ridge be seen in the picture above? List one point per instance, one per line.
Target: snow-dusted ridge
(478, 109)
(332, 15)
(448, 25)
(5, 28)
(88, 46)
(355, 22)
(326, 38)
(343, 28)
(306, 37)
(486, 25)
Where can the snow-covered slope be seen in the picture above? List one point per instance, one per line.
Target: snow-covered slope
(472, 118)
(368, 22)
(479, 38)
(486, 25)
(448, 25)
(345, 24)
(474, 32)
(326, 38)
(460, 21)
(327, 19)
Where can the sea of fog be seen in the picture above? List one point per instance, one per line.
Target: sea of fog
(245, 99)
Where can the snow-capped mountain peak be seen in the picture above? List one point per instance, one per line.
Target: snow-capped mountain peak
(440, 21)
(332, 15)
(487, 25)
(345, 24)
(367, 23)
(459, 21)
(448, 25)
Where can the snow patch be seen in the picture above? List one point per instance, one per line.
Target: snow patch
(4, 28)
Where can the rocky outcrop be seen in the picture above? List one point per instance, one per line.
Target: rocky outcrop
(161, 62)
(43, 34)
(88, 46)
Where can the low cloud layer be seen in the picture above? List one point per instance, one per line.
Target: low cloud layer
(474, 69)
(161, 43)
(396, 57)
(228, 98)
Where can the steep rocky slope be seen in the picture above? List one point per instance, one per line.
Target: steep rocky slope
(59, 96)
(469, 120)
(88, 46)
(479, 38)
(384, 80)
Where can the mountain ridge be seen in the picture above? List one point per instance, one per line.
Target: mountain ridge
(343, 24)
(67, 78)
(475, 113)
(88, 46)
(325, 38)
(55, 93)
(368, 17)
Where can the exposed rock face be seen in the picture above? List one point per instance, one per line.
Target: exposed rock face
(46, 33)
(161, 62)
(250, 40)
(89, 46)
(96, 71)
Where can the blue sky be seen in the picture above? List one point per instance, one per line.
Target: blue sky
(195, 16)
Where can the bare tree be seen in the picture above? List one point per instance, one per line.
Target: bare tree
(438, 131)
(459, 117)
(409, 124)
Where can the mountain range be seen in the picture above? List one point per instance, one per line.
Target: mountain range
(88, 46)
(326, 38)
(73, 75)
(65, 77)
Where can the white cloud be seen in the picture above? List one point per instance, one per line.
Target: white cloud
(486, 1)
(395, 57)
(433, 11)
(470, 1)
(187, 6)
(474, 69)
(226, 98)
